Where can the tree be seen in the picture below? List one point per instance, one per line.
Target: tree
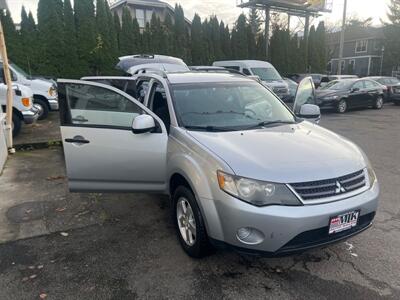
(197, 41)
(28, 38)
(125, 39)
(85, 23)
(117, 29)
(11, 36)
(391, 60)
(71, 60)
(181, 35)
(254, 21)
(51, 33)
(321, 47)
(240, 38)
(225, 41)
(169, 35)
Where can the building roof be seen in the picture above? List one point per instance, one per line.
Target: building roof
(3, 4)
(357, 33)
(150, 3)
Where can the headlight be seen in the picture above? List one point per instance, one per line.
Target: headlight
(53, 91)
(258, 193)
(371, 175)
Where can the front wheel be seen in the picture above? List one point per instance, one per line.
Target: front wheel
(43, 108)
(378, 103)
(341, 106)
(189, 224)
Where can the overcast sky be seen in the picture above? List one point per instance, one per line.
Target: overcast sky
(227, 11)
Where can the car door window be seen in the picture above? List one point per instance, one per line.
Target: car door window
(305, 94)
(370, 85)
(359, 85)
(91, 105)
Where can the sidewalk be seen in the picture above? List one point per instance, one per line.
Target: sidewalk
(34, 198)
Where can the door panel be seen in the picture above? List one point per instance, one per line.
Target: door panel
(101, 151)
(355, 98)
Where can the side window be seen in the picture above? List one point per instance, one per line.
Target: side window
(359, 85)
(98, 106)
(246, 72)
(370, 85)
(142, 88)
(232, 67)
(305, 94)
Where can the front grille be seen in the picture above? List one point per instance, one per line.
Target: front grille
(330, 187)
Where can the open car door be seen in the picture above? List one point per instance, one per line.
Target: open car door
(305, 102)
(102, 152)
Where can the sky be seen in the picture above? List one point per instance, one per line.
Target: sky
(228, 12)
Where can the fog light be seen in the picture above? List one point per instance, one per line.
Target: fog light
(250, 236)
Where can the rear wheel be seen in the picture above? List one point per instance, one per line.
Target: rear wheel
(341, 106)
(16, 124)
(43, 108)
(189, 224)
(378, 103)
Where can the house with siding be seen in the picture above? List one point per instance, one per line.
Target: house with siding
(362, 53)
(143, 10)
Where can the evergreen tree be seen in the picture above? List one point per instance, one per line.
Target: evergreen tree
(51, 32)
(136, 37)
(197, 41)
(85, 23)
(117, 29)
(225, 41)
(125, 38)
(391, 60)
(261, 47)
(251, 43)
(71, 61)
(146, 40)
(157, 38)
(240, 38)
(181, 35)
(12, 37)
(28, 42)
(254, 21)
(313, 59)
(169, 35)
(321, 47)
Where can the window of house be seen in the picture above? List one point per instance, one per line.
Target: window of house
(140, 17)
(361, 46)
(149, 14)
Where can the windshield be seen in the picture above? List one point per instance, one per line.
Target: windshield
(266, 74)
(19, 70)
(227, 106)
(338, 85)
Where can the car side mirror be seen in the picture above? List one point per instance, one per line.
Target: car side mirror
(142, 124)
(310, 112)
(353, 90)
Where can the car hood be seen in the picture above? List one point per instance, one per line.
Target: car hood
(285, 154)
(42, 85)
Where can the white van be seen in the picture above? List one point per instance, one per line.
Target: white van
(266, 71)
(45, 94)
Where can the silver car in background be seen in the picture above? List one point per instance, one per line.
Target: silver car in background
(242, 170)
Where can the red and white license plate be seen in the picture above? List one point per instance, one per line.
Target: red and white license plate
(343, 222)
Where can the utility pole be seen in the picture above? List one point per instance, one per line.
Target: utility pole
(306, 39)
(383, 54)
(339, 70)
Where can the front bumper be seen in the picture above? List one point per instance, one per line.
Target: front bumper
(53, 103)
(327, 104)
(290, 229)
(30, 116)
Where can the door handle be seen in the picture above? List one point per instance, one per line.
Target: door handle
(80, 119)
(77, 140)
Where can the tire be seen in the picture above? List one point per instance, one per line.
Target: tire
(378, 103)
(43, 108)
(16, 124)
(195, 242)
(397, 103)
(341, 107)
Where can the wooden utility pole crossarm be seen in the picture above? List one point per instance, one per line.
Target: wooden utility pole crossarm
(7, 77)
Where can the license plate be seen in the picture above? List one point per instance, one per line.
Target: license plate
(343, 222)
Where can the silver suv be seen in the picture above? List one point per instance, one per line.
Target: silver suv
(242, 169)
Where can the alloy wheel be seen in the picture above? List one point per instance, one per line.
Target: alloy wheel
(40, 109)
(379, 103)
(342, 106)
(186, 221)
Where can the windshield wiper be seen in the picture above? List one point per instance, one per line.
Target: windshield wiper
(268, 123)
(209, 128)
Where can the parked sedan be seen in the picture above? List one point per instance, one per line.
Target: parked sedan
(392, 85)
(350, 93)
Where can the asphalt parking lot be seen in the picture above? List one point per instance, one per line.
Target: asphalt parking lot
(134, 253)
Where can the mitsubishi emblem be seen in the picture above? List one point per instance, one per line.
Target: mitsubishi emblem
(339, 188)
